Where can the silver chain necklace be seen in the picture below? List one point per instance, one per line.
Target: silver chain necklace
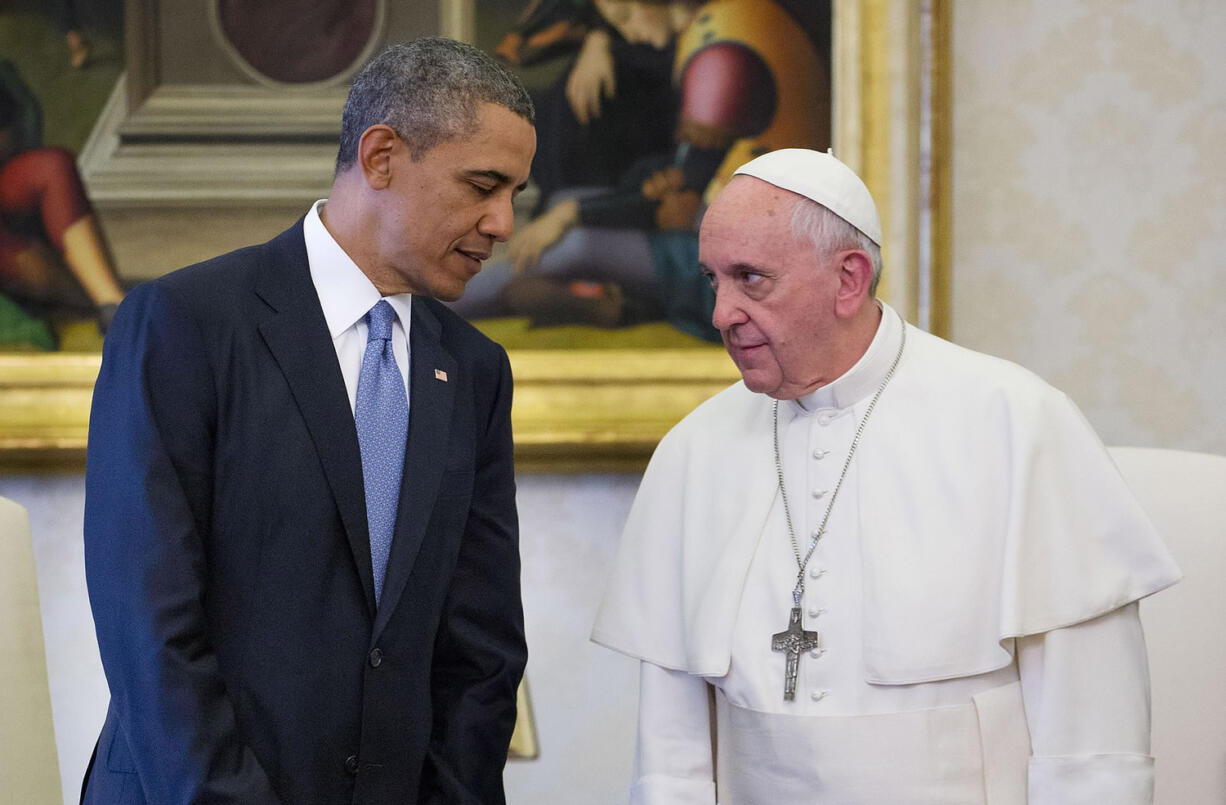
(794, 640)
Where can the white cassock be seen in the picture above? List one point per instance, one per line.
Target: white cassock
(975, 593)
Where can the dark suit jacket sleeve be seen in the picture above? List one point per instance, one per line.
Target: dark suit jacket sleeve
(480, 651)
(147, 512)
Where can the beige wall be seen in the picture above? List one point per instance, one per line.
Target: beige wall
(1090, 205)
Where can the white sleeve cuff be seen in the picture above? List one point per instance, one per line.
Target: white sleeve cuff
(1121, 779)
(659, 789)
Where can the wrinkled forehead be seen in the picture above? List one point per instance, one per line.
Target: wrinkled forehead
(748, 224)
(750, 204)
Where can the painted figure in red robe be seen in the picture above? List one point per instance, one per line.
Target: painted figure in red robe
(52, 252)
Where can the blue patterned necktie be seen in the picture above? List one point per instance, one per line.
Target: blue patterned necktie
(382, 417)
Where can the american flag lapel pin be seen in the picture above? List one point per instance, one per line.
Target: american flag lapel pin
(439, 374)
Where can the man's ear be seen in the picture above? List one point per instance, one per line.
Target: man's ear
(375, 149)
(855, 280)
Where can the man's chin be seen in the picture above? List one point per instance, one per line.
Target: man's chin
(450, 293)
(758, 381)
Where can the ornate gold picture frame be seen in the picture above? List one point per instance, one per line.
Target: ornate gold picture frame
(602, 410)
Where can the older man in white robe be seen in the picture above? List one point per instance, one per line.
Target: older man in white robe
(881, 568)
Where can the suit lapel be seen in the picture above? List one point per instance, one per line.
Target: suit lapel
(430, 409)
(297, 335)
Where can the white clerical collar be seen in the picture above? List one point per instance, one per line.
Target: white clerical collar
(346, 294)
(865, 376)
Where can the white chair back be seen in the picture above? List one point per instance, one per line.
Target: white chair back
(29, 771)
(1185, 626)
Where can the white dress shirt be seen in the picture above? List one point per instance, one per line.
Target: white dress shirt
(346, 296)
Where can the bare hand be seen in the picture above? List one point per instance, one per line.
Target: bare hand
(669, 180)
(531, 242)
(591, 79)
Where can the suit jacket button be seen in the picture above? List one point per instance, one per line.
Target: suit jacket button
(351, 764)
(376, 658)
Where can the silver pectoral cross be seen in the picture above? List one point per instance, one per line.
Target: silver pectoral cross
(794, 640)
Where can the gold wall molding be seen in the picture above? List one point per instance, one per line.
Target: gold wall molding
(892, 125)
(574, 411)
(44, 409)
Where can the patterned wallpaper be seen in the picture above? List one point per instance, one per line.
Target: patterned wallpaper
(1089, 180)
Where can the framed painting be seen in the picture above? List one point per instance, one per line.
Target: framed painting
(643, 111)
(584, 402)
(58, 62)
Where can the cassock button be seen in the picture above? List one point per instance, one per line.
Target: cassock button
(351, 764)
(819, 453)
(816, 611)
(824, 419)
(817, 572)
(819, 493)
(376, 658)
(818, 695)
(817, 652)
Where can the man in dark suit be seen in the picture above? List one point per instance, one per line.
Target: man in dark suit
(300, 534)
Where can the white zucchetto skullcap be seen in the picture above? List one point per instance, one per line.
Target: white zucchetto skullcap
(823, 179)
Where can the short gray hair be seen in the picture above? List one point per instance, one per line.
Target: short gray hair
(427, 90)
(829, 234)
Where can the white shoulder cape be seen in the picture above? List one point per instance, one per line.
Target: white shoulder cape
(989, 509)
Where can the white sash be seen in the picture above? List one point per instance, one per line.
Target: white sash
(972, 754)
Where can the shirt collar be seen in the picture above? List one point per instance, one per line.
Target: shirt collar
(346, 294)
(866, 375)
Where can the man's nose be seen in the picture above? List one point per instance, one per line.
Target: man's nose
(499, 220)
(728, 311)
